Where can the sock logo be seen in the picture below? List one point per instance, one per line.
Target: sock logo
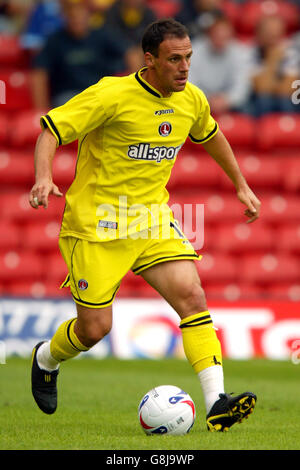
(216, 362)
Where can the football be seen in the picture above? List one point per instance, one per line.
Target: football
(167, 409)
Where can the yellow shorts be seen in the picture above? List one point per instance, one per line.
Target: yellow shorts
(96, 269)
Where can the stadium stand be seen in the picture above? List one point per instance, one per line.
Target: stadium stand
(11, 53)
(18, 89)
(252, 11)
(240, 261)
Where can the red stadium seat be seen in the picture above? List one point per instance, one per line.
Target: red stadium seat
(239, 129)
(165, 9)
(252, 11)
(194, 169)
(291, 173)
(232, 291)
(260, 170)
(56, 268)
(64, 164)
(284, 291)
(244, 238)
(288, 238)
(36, 289)
(15, 206)
(217, 267)
(41, 236)
(3, 288)
(232, 10)
(209, 240)
(10, 235)
(279, 208)
(18, 264)
(270, 268)
(4, 128)
(18, 89)
(278, 131)
(26, 128)
(11, 53)
(126, 291)
(217, 207)
(16, 168)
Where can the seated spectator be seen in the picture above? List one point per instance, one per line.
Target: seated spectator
(129, 18)
(98, 10)
(198, 15)
(220, 67)
(13, 15)
(45, 19)
(271, 79)
(75, 57)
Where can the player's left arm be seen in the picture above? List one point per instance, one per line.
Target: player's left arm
(219, 148)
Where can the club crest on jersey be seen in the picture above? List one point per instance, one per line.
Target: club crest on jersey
(83, 284)
(165, 129)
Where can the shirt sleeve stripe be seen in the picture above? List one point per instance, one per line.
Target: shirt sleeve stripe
(209, 136)
(47, 121)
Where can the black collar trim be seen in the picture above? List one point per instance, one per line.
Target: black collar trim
(145, 85)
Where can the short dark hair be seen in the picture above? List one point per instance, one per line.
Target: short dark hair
(157, 31)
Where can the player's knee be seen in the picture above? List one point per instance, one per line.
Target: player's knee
(194, 299)
(91, 333)
(98, 332)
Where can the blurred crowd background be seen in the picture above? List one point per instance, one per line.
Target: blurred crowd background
(246, 58)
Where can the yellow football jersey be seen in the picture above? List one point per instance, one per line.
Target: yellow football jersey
(129, 137)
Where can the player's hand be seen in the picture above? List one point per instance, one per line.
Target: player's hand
(40, 192)
(247, 197)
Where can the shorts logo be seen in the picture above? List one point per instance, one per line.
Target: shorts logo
(82, 284)
(108, 224)
(165, 129)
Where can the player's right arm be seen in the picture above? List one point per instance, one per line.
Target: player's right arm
(44, 153)
(63, 125)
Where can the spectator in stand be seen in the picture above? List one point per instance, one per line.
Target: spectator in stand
(45, 19)
(271, 76)
(98, 10)
(220, 67)
(13, 15)
(75, 57)
(291, 73)
(129, 18)
(198, 15)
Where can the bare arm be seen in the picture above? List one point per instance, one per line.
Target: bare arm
(40, 88)
(43, 157)
(219, 148)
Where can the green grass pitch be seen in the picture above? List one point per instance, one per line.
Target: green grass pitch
(98, 402)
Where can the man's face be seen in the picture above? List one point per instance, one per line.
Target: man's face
(172, 64)
(77, 19)
(220, 35)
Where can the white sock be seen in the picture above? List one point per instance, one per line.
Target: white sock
(44, 358)
(212, 383)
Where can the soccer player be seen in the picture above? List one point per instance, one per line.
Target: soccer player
(130, 130)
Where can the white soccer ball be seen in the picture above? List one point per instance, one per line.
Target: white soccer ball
(167, 410)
